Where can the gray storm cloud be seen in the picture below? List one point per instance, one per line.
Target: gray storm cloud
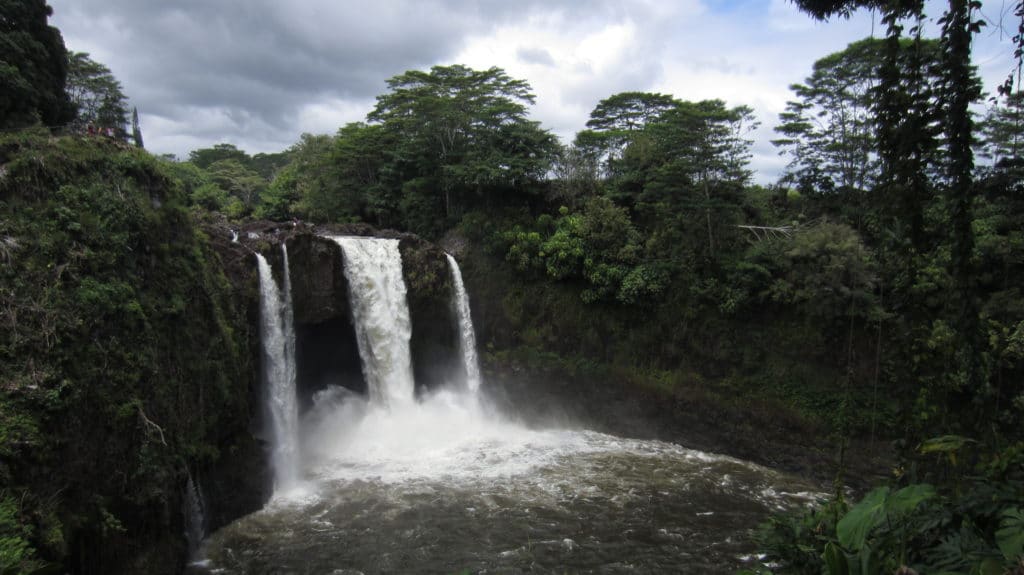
(259, 72)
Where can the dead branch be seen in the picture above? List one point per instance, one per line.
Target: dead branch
(149, 423)
(762, 233)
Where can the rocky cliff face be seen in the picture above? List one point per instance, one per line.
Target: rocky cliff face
(126, 362)
(319, 288)
(435, 338)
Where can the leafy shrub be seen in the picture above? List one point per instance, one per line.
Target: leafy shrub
(970, 523)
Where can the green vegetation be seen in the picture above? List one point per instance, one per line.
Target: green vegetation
(124, 357)
(439, 144)
(957, 513)
(969, 522)
(96, 94)
(33, 67)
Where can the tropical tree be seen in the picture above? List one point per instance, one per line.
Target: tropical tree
(707, 138)
(307, 185)
(576, 176)
(616, 121)
(238, 181)
(360, 157)
(204, 157)
(907, 151)
(1002, 130)
(268, 164)
(462, 135)
(829, 130)
(629, 111)
(960, 90)
(96, 94)
(136, 129)
(1002, 144)
(705, 153)
(33, 66)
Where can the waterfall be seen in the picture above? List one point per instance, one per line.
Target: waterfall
(373, 268)
(467, 338)
(288, 327)
(195, 516)
(278, 337)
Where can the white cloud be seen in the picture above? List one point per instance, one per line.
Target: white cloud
(330, 114)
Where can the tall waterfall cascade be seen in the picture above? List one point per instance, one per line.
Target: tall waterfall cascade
(278, 337)
(467, 337)
(380, 312)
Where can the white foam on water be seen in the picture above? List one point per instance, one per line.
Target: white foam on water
(451, 438)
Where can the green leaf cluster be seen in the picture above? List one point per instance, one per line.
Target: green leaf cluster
(96, 94)
(33, 67)
(972, 527)
(597, 247)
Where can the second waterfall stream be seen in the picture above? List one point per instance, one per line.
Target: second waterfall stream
(277, 332)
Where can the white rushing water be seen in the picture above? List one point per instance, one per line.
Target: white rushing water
(195, 515)
(291, 371)
(278, 338)
(467, 337)
(373, 268)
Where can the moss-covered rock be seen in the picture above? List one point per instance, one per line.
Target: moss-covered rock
(435, 339)
(126, 359)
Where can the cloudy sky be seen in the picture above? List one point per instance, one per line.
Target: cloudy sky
(257, 73)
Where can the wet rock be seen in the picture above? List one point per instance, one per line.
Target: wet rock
(319, 288)
(435, 338)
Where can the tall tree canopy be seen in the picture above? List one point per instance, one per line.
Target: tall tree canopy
(307, 185)
(136, 129)
(204, 157)
(616, 120)
(1003, 131)
(238, 180)
(96, 94)
(824, 9)
(463, 133)
(628, 111)
(702, 166)
(829, 130)
(33, 66)
(687, 144)
(678, 167)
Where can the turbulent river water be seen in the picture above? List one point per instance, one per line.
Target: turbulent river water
(449, 486)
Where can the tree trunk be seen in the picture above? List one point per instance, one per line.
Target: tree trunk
(707, 216)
